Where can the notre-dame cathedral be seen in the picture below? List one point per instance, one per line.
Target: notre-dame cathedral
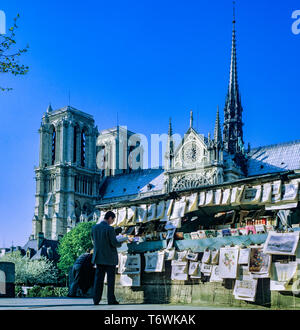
(70, 183)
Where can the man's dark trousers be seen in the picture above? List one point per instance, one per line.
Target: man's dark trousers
(99, 283)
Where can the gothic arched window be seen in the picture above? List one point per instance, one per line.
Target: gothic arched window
(83, 150)
(75, 145)
(53, 146)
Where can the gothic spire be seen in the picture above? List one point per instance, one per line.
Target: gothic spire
(170, 133)
(218, 132)
(191, 119)
(49, 109)
(170, 147)
(233, 125)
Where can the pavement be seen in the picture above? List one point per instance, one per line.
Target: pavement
(87, 304)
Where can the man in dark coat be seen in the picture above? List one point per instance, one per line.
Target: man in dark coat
(105, 257)
(82, 273)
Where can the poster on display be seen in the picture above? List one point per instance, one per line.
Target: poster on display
(245, 290)
(154, 262)
(178, 209)
(179, 270)
(282, 244)
(130, 280)
(151, 213)
(202, 197)
(218, 197)
(290, 192)
(132, 264)
(284, 277)
(215, 257)
(228, 262)
(226, 197)
(122, 263)
(209, 200)
(181, 255)
(206, 269)
(160, 210)
(193, 268)
(244, 256)
(266, 194)
(276, 191)
(122, 217)
(131, 215)
(192, 202)
(191, 256)
(170, 254)
(260, 263)
(141, 214)
(215, 275)
(251, 195)
(206, 257)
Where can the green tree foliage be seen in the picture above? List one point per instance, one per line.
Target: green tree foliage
(73, 244)
(10, 54)
(30, 272)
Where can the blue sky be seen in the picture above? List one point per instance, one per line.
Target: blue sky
(146, 61)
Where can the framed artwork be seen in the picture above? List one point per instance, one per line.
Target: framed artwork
(228, 263)
(281, 244)
(215, 275)
(251, 230)
(154, 262)
(179, 270)
(226, 232)
(133, 264)
(197, 274)
(243, 231)
(130, 280)
(244, 257)
(260, 263)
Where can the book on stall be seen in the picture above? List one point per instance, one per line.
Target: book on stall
(122, 239)
(201, 234)
(234, 232)
(243, 231)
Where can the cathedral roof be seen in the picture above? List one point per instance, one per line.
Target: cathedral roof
(274, 158)
(137, 182)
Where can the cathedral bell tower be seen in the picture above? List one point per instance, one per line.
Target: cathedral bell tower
(66, 178)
